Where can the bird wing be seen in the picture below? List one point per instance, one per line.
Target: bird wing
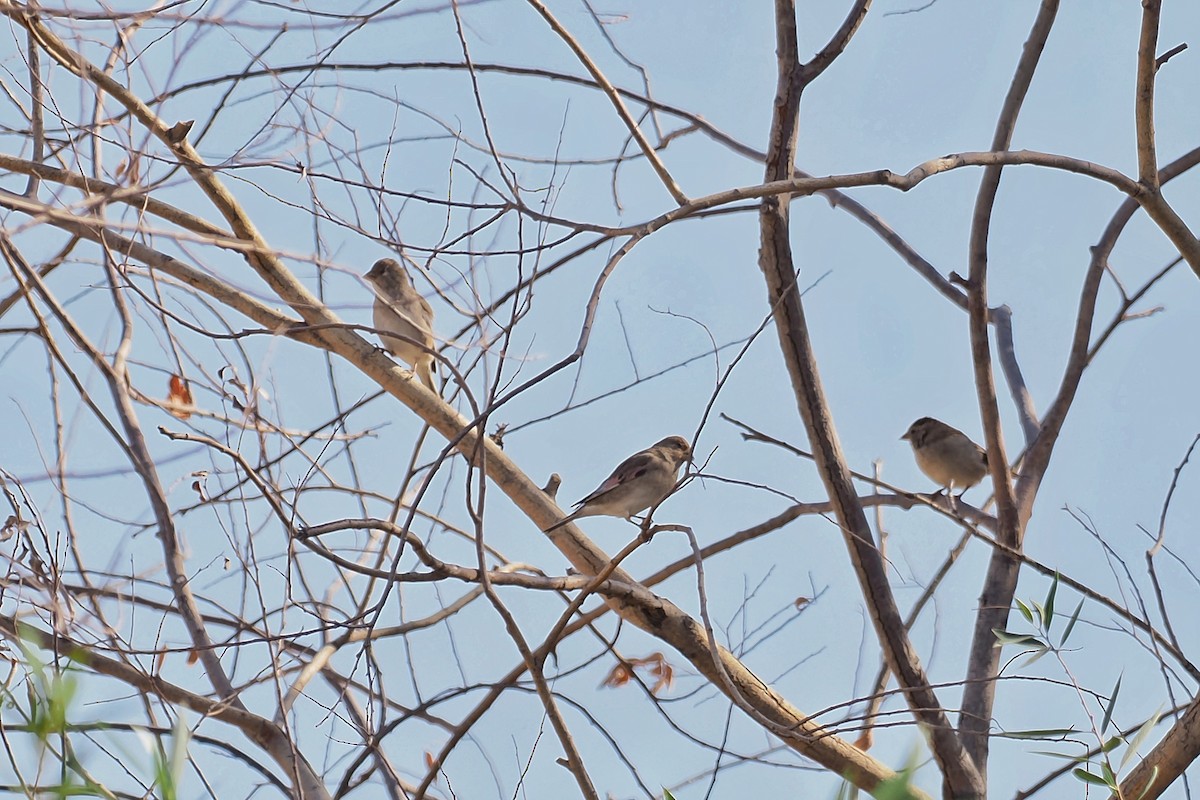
(424, 314)
(628, 470)
(414, 310)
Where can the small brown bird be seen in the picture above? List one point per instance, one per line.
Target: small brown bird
(639, 482)
(946, 454)
(403, 319)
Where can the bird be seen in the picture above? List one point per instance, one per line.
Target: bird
(946, 454)
(403, 318)
(639, 482)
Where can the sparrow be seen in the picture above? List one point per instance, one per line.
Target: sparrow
(403, 319)
(946, 454)
(639, 482)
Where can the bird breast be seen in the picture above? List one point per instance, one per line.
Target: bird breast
(952, 460)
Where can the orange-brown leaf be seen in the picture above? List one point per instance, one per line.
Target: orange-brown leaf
(618, 676)
(664, 674)
(655, 664)
(666, 678)
(179, 398)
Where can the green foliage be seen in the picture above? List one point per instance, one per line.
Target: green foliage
(50, 691)
(1051, 734)
(1098, 780)
(1071, 624)
(1097, 769)
(899, 786)
(1139, 738)
(1112, 704)
(1041, 616)
(169, 767)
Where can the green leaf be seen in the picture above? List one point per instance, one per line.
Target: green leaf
(1025, 611)
(1112, 744)
(1004, 637)
(667, 794)
(1064, 756)
(1112, 703)
(898, 787)
(1040, 613)
(1036, 656)
(1049, 605)
(894, 788)
(1071, 624)
(1140, 737)
(1088, 777)
(181, 736)
(1037, 733)
(1109, 777)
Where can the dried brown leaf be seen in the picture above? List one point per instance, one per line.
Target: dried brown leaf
(179, 398)
(618, 676)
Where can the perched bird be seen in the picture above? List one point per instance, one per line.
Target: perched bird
(403, 319)
(639, 482)
(946, 454)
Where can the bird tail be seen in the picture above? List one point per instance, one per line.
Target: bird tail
(561, 522)
(425, 374)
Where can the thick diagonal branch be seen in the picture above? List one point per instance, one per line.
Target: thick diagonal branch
(1174, 753)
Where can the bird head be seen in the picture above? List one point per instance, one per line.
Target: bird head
(387, 270)
(676, 448)
(919, 429)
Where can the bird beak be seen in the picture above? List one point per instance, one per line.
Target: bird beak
(905, 436)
